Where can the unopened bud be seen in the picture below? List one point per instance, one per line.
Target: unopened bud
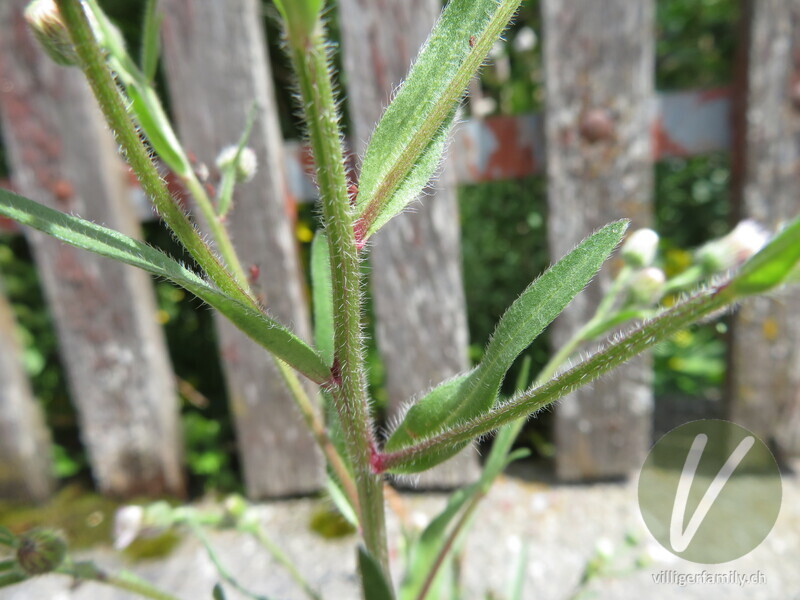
(646, 286)
(732, 250)
(235, 507)
(245, 166)
(525, 40)
(44, 20)
(639, 250)
(41, 551)
(127, 526)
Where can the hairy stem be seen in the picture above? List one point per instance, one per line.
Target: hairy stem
(646, 335)
(347, 387)
(316, 425)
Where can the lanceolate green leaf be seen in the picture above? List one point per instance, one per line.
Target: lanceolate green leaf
(413, 183)
(322, 296)
(151, 46)
(107, 242)
(525, 319)
(414, 126)
(772, 264)
(372, 579)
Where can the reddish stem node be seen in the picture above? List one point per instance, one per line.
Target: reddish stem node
(376, 461)
(360, 232)
(336, 373)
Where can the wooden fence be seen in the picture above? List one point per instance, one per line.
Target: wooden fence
(603, 127)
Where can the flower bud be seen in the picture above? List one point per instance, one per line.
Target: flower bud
(44, 20)
(245, 166)
(732, 250)
(128, 522)
(639, 250)
(41, 551)
(525, 40)
(646, 287)
(235, 507)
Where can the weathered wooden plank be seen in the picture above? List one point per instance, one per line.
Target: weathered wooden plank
(420, 315)
(215, 57)
(62, 155)
(599, 82)
(765, 370)
(25, 470)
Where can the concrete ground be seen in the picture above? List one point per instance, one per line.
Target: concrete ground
(562, 526)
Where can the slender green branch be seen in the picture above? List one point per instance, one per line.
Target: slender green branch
(258, 533)
(317, 427)
(348, 389)
(123, 580)
(702, 304)
(221, 569)
(216, 227)
(94, 67)
(452, 536)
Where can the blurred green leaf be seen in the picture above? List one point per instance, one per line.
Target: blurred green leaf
(771, 265)
(375, 586)
(322, 296)
(151, 47)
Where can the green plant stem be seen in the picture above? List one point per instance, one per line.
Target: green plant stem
(93, 65)
(317, 427)
(703, 303)
(258, 533)
(87, 571)
(348, 389)
(221, 569)
(452, 536)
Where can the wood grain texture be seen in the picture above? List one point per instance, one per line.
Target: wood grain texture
(61, 154)
(25, 444)
(764, 391)
(215, 57)
(417, 287)
(599, 87)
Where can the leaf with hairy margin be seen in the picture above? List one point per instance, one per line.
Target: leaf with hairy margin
(408, 141)
(471, 395)
(112, 244)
